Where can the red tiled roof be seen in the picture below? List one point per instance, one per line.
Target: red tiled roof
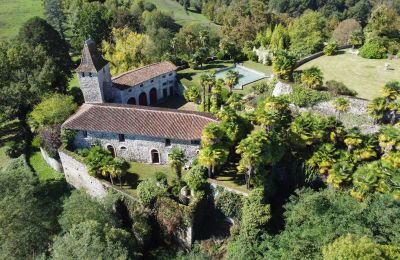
(137, 76)
(139, 120)
(91, 60)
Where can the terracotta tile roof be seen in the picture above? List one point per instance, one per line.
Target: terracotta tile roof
(92, 60)
(137, 76)
(139, 120)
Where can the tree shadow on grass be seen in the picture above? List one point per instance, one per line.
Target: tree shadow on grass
(229, 174)
(130, 180)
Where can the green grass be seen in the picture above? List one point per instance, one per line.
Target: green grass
(41, 168)
(258, 67)
(139, 172)
(179, 14)
(366, 76)
(4, 159)
(13, 13)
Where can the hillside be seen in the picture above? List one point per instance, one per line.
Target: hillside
(13, 13)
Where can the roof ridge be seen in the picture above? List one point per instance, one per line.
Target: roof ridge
(155, 109)
(137, 69)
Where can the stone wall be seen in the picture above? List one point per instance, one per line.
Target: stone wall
(53, 163)
(91, 88)
(317, 55)
(77, 175)
(136, 148)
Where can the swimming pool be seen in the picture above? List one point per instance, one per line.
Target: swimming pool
(246, 75)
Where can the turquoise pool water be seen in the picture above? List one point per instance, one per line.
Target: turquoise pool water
(246, 75)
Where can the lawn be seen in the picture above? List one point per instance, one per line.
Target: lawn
(366, 76)
(41, 168)
(4, 159)
(258, 67)
(13, 13)
(179, 14)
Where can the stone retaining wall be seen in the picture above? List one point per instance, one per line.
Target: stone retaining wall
(77, 175)
(317, 55)
(53, 163)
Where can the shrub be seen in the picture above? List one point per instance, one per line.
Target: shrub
(195, 178)
(67, 138)
(192, 94)
(331, 48)
(339, 88)
(96, 159)
(51, 111)
(283, 64)
(148, 190)
(312, 78)
(50, 140)
(373, 50)
(15, 148)
(220, 55)
(307, 97)
(251, 55)
(230, 204)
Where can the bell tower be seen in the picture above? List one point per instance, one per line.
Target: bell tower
(93, 74)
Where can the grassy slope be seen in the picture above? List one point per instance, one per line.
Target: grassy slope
(363, 75)
(13, 13)
(178, 13)
(41, 168)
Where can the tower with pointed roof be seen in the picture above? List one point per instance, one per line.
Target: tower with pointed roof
(94, 75)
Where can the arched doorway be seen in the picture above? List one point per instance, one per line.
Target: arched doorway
(171, 91)
(155, 156)
(132, 101)
(143, 99)
(112, 150)
(153, 96)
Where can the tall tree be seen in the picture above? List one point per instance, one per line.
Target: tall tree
(177, 160)
(54, 12)
(37, 32)
(308, 34)
(231, 79)
(90, 20)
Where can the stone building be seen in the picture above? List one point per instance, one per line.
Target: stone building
(118, 112)
(143, 86)
(138, 133)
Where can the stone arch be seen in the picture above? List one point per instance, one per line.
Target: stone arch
(143, 99)
(111, 149)
(155, 156)
(132, 101)
(153, 96)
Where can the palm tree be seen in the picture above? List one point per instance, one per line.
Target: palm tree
(389, 139)
(377, 109)
(324, 158)
(341, 105)
(109, 170)
(340, 174)
(203, 79)
(216, 96)
(353, 139)
(391, 90)
(231, 79)
(211, 156)
(210, 82)
(251, 150)
(177, 161)
(275, 113)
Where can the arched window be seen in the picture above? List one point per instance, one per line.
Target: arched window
(143, 99)
(111, 149)
(155, 156)
(132, 101)
(153, 96)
